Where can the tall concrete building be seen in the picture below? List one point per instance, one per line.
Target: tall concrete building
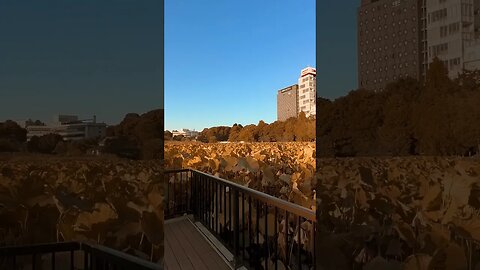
(307, 94)
(391, 41)
(287, 102)
(453, 28)
(400, 38)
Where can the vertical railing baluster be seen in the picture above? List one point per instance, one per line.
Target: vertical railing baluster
(190, 191)
(243, 225)
(72, 259)
(202, 200)
(168, 195)
(250, 238)
(210, 204)
(34, 261)
(197, 196)
(53, 260)
(267, 257)
(257, 222)
(185, 192)
(299, 238)
(174, 210)
(224, 190)
(287, 229)
(230, 225)
(205, 199)
(182, 192)
(85, 260)
(92, 260)
(236, 223)
(314, 245)
(205, 211)
(217, 204)
(275, 238)
(204, 192)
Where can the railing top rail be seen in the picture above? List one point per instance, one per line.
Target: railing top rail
(177, 170)
(271, 200)
(126, 260)
(39, 248)
(112, 255)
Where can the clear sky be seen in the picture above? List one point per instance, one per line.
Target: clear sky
(80, 57)
(337, 47)
(225, 59)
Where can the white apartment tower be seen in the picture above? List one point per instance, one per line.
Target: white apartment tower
(307, 93)
(453, 33)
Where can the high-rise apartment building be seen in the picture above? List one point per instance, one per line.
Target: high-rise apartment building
(391, 41)
(400, 38)
(453, 28)
(307, 93)
(287, 102)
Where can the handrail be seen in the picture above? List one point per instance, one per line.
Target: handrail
(92, 251)
(177, 170)
(38, 248)
(128, 261)
(273, 201)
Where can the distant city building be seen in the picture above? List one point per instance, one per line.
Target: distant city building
(391, 42)
(307, 94)
(70, 128)
(287, 102)
(185, 132)
(65, 119)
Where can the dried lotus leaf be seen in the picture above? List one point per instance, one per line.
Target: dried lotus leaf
(418, 262)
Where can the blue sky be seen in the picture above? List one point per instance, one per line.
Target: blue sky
(80, 57)
(225, 60)
(337, 47)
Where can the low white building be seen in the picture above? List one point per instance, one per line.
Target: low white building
(185, 132)
(70, 128)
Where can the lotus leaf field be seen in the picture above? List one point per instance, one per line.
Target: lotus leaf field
(410, 213)
(373, 212)
(399, 213)
(285, 170)
(116, 203)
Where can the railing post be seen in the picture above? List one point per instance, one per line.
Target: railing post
(236, 234)
(192, 202)
(194, 195)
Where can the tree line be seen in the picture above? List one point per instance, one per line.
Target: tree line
(136, 137)
(300, 128)
(13, 138)
(438, 117)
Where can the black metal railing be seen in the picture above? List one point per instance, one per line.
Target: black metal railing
(79, 256)
(262, 231)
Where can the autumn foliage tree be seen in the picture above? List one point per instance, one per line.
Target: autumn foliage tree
(438, 117)
(300, 128)
(11, 136)
(138, 136)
